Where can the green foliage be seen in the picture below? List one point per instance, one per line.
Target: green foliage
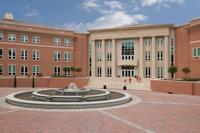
(191, 79)
(78, 69)
(172, 70)
(186, 70)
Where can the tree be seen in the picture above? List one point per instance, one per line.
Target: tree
(33, 82)
(172, 70)
(65, 69)
(186, 70)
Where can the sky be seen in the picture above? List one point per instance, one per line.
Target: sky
(81, 15)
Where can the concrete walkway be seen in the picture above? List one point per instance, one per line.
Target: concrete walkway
(155, 113)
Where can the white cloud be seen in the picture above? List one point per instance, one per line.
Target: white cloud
(90, 4)
(160, 2)
(114, 19)
(114, 4)
(31, 12)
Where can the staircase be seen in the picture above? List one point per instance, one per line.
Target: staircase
(118, 83)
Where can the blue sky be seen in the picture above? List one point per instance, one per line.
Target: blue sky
(80, 15)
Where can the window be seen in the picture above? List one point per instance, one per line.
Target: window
(67, 42)
(160, 72)
(128, 71)
(11, 70)
(36, 69)
(127, 50)
(57, 56)
(147, 55)
(57, 41)
(147, 41)
(11, 37)
(196, 52)
(24, 70)
(1, 53)
(109, 72)
(36, 55)
(1, 36)
(12, 54)
(109, 44)
(57, 71)
(36, 39)
(99, 72)
(98, 44)
(1, 69)
(160, 41)
(109, 56)
(160, 55)
(99, 58)
(24, 38)
(147, 72)
(24, 54)
(67, 56)
(68, 72)
(172, 52)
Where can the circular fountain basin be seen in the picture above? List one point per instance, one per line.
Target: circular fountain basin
(66, 97)
(34, 99)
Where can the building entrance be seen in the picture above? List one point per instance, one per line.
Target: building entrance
(128, 71)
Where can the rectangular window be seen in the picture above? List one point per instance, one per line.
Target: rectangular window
(24, 38)
(1, 53)
(57, 41)
(36, 39)
(11, 70)
(99, 58)
(67, 42)
(24, 54)
(12, 54)
(109, 44)
(99, 71)
(147, 55)
(147, 42)
(1, 36)
(67, 56)
(24, 70)
(160, 55)
(36, 69)
(160, 41)
(57, 71)
(1, 69)
(172, 52)
(98, 44)
(147, 72)
(160, 72)
(36, 54)
(11, 37)
(127, 49)
(57, 56)
(109, 72)
(109, 56)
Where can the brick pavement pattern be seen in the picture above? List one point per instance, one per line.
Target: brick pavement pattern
(156, 113)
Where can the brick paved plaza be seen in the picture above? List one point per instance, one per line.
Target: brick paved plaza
(155, 113)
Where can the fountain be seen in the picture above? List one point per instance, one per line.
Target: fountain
(70, 97)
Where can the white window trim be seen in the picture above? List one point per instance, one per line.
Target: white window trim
(1, 36)
(56, 57)
(67, 42)
(24, 39)
(68, 57)
(57, 41)
(2, 69)
(38, 39)
(38, 69)
(24, 53)
(24, 73)
(2, 53)
(36, 57)
(57, 73)
(12, 54)
(11, 69)
(13, 36)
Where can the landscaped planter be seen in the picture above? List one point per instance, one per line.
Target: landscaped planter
(176, 87)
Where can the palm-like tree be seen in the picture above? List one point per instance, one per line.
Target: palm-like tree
(186, 70)
(172, 70)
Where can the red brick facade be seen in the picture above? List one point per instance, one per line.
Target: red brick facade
(46, 47)
(187, 38)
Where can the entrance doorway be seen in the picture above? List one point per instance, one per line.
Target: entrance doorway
(128, 71)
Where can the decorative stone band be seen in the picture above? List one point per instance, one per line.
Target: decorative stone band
(11, 99)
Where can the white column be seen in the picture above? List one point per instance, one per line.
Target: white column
(103, 58)
(113, 58)
(93, 56)
(141, 58)
(153, 59)
(166, 56)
